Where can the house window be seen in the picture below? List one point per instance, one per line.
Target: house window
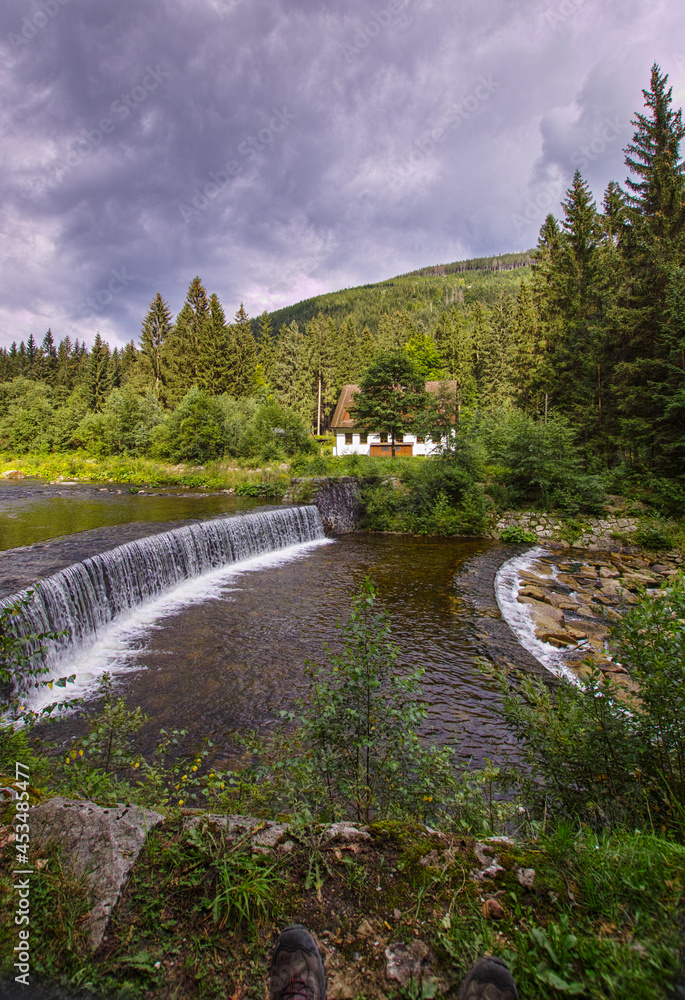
(363, 438)
(420, 440)
(348, 439)
(399, 438)
(384, 438)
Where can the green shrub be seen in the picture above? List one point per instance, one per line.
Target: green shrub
(596, 753)
(195, 431)
(263, 489)
(514, 534)
(539, 458)
(653, 536)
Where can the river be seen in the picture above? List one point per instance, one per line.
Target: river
(226, 655)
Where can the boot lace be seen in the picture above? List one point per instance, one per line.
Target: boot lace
(296, 990)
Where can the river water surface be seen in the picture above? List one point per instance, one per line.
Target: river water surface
(230, 657)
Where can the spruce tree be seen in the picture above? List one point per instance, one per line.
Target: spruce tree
(650, 373)
(214, 369)
(98, 374)
(294, 372)
(182, 347)
(321, 337)
(243, 355)
(266, 353)
(156, 327)
(46, 360)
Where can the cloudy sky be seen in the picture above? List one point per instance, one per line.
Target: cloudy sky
(282, 148)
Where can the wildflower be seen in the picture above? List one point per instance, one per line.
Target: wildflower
(180, 802)
(194, 767)
(80, 753)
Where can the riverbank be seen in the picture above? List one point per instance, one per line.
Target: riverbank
(83, 468)
(398, 911)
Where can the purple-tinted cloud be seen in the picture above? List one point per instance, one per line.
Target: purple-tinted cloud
(280, 150)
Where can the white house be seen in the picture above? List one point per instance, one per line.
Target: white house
(350, 440)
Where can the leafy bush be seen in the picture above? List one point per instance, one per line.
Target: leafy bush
(195, 431)
(514, 534)
(124, 426)
(263, 489)
(26, 416)
(542, 461)
(24, 656)
(654, 536)
(601, 755)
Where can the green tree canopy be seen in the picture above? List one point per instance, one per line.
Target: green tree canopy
(392, 395)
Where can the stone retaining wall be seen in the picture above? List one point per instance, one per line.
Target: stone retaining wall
(336, 498)
(596, 534)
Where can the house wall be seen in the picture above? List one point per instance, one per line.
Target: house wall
(357, 448)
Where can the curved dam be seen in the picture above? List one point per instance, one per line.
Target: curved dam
(82, 599)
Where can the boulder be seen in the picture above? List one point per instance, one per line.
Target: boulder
(542, 612)
(102, 844)
(407, 965)
(12, 474)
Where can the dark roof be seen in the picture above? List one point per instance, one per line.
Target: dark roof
(344, 422)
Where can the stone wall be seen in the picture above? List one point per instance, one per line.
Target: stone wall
(337, 500)
(596, 533)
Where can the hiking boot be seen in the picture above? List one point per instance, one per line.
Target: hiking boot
(296, 971)
(489, 979)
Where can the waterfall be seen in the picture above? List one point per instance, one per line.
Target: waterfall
(85, 597)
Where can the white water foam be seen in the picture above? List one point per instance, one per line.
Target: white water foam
(118, 642)
(518, 616)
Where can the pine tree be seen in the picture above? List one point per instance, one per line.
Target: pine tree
(321, 339)
(650, 374)
(653, 157)
(31, 353)
(98, 374)
(294, 372)
(214, 370)
(182, 347)
(46, 360)
(129, 358)
(156, 328)
(243, 355)
(266, 353)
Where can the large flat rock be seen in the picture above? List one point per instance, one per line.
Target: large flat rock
(98, 842)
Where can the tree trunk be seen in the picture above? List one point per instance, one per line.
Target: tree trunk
(318, 409)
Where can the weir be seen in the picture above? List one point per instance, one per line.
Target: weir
(83, 598)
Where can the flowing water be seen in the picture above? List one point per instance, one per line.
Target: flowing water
(224, 651)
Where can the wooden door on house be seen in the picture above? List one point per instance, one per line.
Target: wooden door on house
(385, 450)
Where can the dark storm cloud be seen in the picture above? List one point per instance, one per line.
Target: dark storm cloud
(280, 150)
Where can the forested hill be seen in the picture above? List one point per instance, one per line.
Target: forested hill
(424, 293)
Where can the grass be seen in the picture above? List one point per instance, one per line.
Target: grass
(198, 916)
(143, 471)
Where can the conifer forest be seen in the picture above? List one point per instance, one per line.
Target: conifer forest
(586, 329)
